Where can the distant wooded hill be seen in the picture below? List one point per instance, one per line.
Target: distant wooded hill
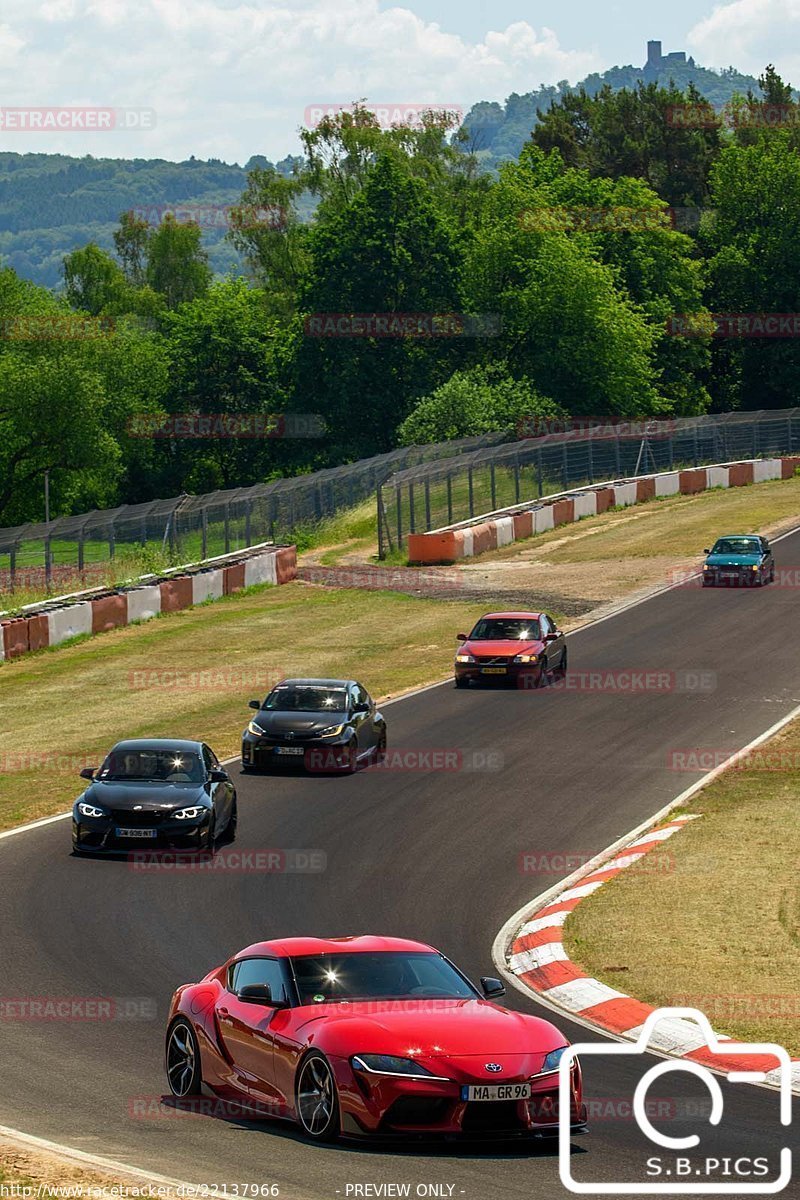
(51, 203)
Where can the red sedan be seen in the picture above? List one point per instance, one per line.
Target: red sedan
(523, 648)
(366, 1035)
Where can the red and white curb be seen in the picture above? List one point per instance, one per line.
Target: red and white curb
(537, 958)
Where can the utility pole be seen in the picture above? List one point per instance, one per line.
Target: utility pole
(47, 563)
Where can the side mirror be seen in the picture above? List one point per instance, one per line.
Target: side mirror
(259, 993)
(256, 704)
(88, 772)
(461, 637)
(359, 708)
(706, 551)
(217, 775)
(492, 987)
(551, 637)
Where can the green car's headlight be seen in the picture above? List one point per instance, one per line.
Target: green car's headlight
(387, 1064)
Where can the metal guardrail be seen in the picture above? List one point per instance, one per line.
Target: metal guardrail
(432, 495)
(197, 527)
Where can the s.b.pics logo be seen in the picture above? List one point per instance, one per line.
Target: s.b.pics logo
(686, 1147)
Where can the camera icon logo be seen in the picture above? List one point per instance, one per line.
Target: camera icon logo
(684, 1181)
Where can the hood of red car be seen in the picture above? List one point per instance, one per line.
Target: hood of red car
(426, 1029)
(501, 649)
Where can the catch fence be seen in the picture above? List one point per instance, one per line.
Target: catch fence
(430, 495)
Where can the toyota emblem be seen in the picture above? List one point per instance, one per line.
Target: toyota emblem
(493, 1067)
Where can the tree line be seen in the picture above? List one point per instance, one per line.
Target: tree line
(563, 286)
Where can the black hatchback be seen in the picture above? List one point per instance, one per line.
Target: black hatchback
(155, 792)
(318, 724)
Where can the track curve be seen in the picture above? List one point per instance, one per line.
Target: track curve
(431, 855)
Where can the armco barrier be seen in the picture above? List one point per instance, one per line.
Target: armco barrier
(99, 610)
(496, 529)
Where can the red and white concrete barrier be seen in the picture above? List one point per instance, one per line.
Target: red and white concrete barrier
(99, 610)
(493, 530)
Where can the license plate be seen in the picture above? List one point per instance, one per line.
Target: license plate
(136, 833)
(496, 1091)
(493, 670)
(289, 750)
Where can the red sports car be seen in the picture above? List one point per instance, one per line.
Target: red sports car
(366, 1035)
(523, 648)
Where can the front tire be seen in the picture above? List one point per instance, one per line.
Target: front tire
(561, 669)
(316, 1098)
(184, 1071)
(380, 753)
(233, 820)
(460, 683)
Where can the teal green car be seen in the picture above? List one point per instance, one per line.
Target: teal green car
(739, 560)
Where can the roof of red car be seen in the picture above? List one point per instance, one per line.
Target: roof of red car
(296, 946)
(534, 615)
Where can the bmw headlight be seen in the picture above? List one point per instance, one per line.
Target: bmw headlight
(256, 729)
(331, 731)
(552, 1060)
(90, 810)
(387, 1064)
(465, 658)
(189, 814)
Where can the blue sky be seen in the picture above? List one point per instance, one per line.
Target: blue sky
(233, 78)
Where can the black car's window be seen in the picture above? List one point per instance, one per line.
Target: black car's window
(506, 629)
(166, 766)
(259, 970)
(386, 975)
(307, 698)
(737, 545)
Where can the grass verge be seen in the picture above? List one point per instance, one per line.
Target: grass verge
(720, 929)
(191, 674)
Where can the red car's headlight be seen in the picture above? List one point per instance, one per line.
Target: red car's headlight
(388, 1064)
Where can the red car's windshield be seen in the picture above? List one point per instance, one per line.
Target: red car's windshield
(386, 975)
(506, 629)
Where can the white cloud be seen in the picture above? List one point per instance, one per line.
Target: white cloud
(749, 34)
(231, 78)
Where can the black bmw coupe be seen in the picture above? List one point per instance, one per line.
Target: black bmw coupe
(155, 792)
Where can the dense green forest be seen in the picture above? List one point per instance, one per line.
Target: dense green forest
(423, 299)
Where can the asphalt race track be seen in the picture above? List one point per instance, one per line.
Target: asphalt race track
(430, 855)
